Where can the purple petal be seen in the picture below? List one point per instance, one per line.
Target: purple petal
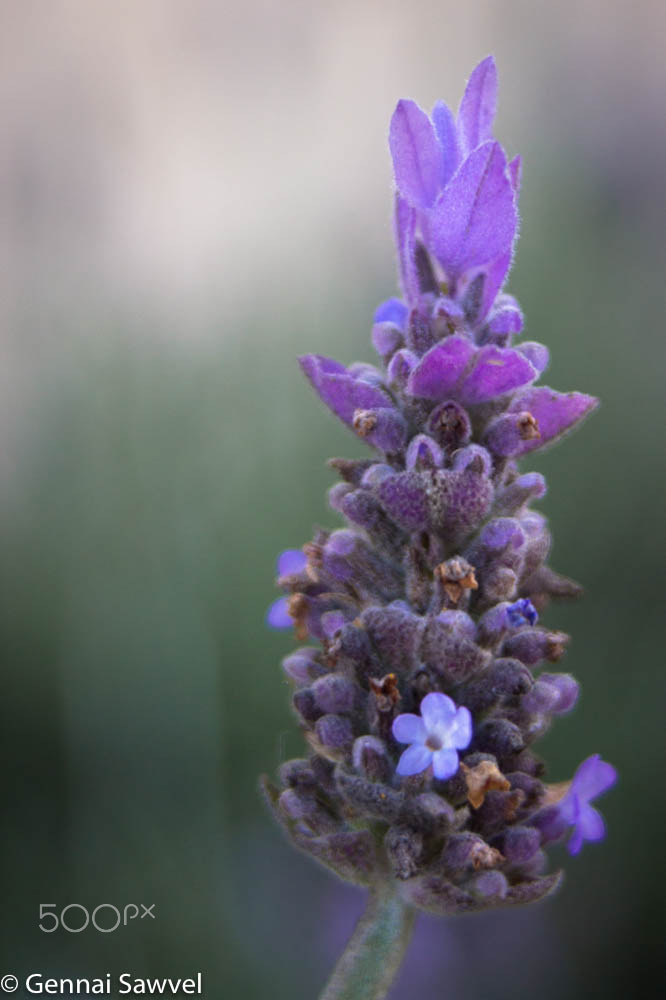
(567, 690)
(341, 391)
(405, 241)
(569, 808)
(277, 615)
(497, 371)
(417, 155)
(460, 731)
(537, 354)
(444, 764)
(478, 105)
(447, 135)
(440, 369)
(342, 542)
(555, 413)
(506, 320)
(512, 434)
(502, 533)
(302, 666)
(392, 311)
(414, 760)
(364, 372)
(576, 842)
(522, 612)
(593, 777)
(409, 728)
(386, 339)
(474, 219)
(437, 710)
(291, 561)
(319, 365)
(591, 824)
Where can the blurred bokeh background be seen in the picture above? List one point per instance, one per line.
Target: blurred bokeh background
(191, 194)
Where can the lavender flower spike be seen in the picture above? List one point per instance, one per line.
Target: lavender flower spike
(422, 613)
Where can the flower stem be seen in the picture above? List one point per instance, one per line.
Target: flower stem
(369, 963)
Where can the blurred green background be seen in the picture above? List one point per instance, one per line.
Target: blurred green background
(191, 195)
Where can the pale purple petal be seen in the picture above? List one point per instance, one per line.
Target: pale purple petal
(460, 731)
(555, 413)
(366, 373)
(409, 728)
(537, 354)
(444, 764)
(593, 777)
(405, 241)
(567, 689)
(569, 808)
(278, 616)
(437, 710)
(497, 371)
(414, 760)
(291, 561)
(342, 542)
(341, 391)
(417, 155)
(591, 824)
(392, 311)
(441, 367)
(506, 320)
(386, 338)
(317, 365)
(474, 219)
(447, 135)
(575, 842)
(478, 105)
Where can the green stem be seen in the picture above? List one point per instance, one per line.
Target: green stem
(369, 963)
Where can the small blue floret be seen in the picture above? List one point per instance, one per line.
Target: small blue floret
(522, 612)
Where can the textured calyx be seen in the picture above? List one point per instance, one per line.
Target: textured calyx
(423, 698)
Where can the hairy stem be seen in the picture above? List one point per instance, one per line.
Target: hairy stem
(369, 963)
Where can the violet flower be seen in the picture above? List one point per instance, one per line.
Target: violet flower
(428, 598)
(434, 736)
(593, 777)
